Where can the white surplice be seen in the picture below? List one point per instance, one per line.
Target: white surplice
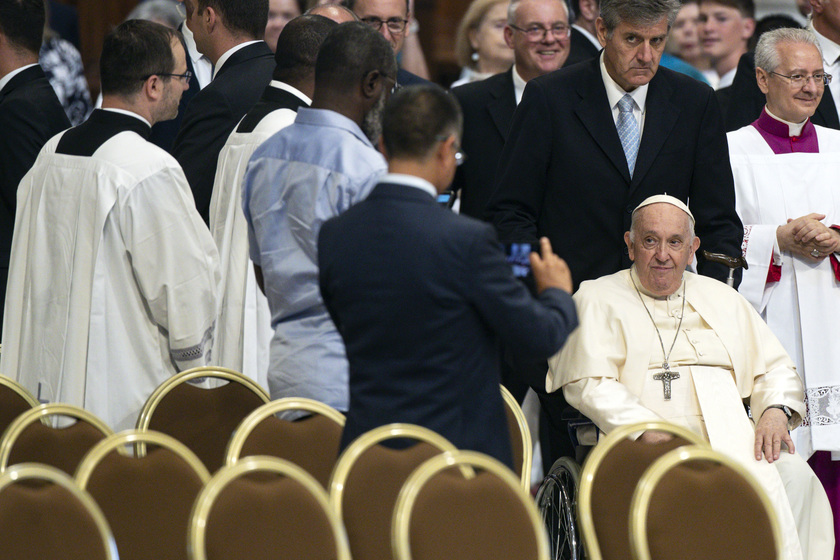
(113, 274)
(802, 309)
(243, 328)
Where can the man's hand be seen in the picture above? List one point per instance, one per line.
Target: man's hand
(806, 234)
(770, 432)
(653, 436)
(550, 271)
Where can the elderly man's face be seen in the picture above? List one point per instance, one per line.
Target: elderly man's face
(786, 99)
(380, 12)
(541, 42)
(661, 247)
(632, 52)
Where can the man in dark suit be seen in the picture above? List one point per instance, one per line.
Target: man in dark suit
(584, 43)
(565, 173)
(229, 33)
(488, 105)
(420, 294)
(30, 113)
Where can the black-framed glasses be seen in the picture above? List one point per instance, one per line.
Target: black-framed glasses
(395, 25)
(799, 80)
(538, 32)
(186, 75)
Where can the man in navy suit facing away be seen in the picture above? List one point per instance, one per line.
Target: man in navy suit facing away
(421, 296)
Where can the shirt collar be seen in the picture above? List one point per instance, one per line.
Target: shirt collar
(129, 113)
(615, 92)
(830, 49)
(727, 79)
(518, 85)
(293, 90)
(780, 136)
(779, 126)
(228, 53)
(592, 38)
(410, 181)
(326, 117)
(8, 77)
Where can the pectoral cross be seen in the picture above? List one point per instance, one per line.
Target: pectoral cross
(666, 377)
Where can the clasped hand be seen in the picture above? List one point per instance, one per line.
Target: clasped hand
(803, 235)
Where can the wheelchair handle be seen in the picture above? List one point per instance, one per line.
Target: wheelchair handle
(731, 262)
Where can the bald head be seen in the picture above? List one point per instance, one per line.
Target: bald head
(335, 12)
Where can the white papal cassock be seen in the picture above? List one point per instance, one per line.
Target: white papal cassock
(244, 321)
(724, 353)
(112, 284)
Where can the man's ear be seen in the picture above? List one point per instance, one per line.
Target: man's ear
(816, 6)
(372, 84)
(629, 246)
(748, 28)
(210, 18)
(761, 78)
(382, 149)
(508, 36)
(601, 31)
(153, 88)
(695, 244)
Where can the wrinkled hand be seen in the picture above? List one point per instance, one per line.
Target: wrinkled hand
(770, 432)
(550, 271)
(802, 235)
(653, 436)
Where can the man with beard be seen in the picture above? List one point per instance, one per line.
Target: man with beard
(305, 174)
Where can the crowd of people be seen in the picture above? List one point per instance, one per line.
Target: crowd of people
(258, 190)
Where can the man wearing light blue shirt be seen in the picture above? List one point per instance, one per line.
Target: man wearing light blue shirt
(300, 177)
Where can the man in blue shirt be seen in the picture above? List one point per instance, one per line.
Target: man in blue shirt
(300, 177)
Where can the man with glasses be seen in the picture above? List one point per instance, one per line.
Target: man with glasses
(786, 171)
(420, 295)
(114, 275)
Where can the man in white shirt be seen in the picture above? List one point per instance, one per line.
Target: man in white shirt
(114, 277)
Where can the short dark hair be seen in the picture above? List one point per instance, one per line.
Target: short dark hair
(22, 23)
(745, 7)
(298, 46)
(244, 16)
(351, 4)
(349, 53)
(638, 12)
(133, 51)
(416, 118)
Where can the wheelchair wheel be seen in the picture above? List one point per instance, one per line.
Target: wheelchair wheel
(557, 502)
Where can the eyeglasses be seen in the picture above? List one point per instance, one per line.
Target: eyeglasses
(186, 76)
(395, 25)
(538, 32)
(798, 80)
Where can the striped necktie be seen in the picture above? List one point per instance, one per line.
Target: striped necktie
(628, 130)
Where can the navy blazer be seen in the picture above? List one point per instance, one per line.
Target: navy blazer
(488, 108)
(563, 173)
(580, 48)
(213, 113)
(420, 296)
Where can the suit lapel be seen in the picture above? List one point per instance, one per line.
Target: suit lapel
(256, 50)
(660, 117)
(828, 111)
(595, 115)
(503, 103)
(21, 78)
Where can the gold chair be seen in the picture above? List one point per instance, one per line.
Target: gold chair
(469, 506)
(202, 419)
(608, 479)
(52, 518)
(14, 401)
(265, 508)
(520, 439)
(311, 442)
(367, 479)
(32, 439)
(695, 503)
(147, 499)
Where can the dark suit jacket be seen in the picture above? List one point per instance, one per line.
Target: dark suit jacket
(563, 172)
(580, 48)
(213, 113)
(406, 78)
(30, 114)
(419, 295)
(488, 108)
(747, 101)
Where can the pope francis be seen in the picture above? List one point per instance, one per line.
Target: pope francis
(658, 343)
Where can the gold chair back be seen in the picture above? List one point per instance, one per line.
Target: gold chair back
(14, 401)
(520, 439)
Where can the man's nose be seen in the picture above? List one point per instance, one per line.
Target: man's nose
(645, 52)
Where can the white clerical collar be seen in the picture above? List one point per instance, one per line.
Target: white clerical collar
(615, 92)
(410, 181)
(518, 85)
(830, 49)
(592, 38)
(228, 53)
(727, 79)
(202, 67)
(8, 77)
(794, 128)
(293, 90)
(129, 113)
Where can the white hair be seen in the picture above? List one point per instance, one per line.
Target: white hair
(767, 51)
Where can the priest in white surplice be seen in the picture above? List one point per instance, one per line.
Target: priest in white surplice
(113, 277)
(244, 326)
(657, 321)
(786, 173)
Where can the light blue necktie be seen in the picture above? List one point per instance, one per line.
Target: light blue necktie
(628, 130)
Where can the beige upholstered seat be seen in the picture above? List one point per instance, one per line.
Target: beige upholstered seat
(368, 478)
(468, 506)
(31, 438)
(310, 442)
(520, 438)
(52, 518)
(14, 400)
(265, 508)
(608, 479)
(696, 504)
(147, 499)
(202, 419)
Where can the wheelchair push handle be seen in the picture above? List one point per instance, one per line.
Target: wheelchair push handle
(731, 262)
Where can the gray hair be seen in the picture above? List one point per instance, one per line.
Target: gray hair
(767, 51)
(511, 15)
(638, 12)
(166, 12)
(634, 218)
